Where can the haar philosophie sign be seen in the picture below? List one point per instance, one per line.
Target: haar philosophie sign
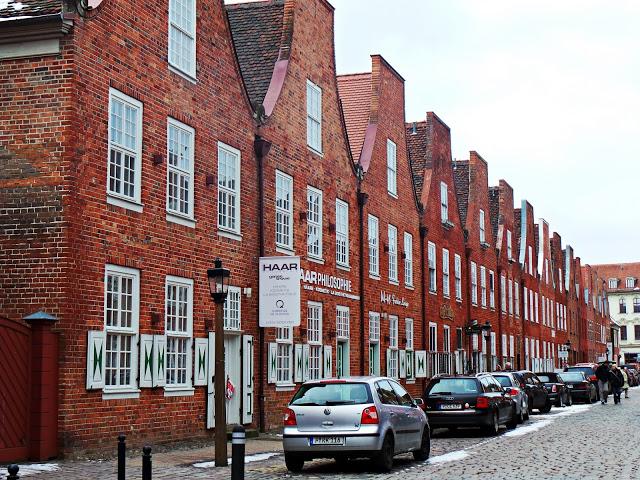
(279, 291)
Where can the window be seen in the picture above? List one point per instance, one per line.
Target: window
(636, 332)
(284, 341)
(445, 273)
(613, 283)
(474, 283)
(393, 347)
(409, 333)
(492, 290)
(182, 35)
(483, 286)
(482, 227)
(457, 266)
(393, 254)
(444, 202)
(623, 332)
(503, 346)
(179, 169)
(516, 291)
(537, 308)
(631, 282)
(374, 343)
(530, 260)
(532, 313)
(342, 233)
(284, 210)
(636, 305)
(509, 250)
(458, 339)
(408, 259)
(314, 116)
(510, 295)
(122, 298)
(374, 251)
(446, 338)
(228, 188)
(503, 293)
(431, 252)
(512, 345)
(232, 310)
(178, 329)
(314, 339)
(314, 222)
(526, 304)
(342, 322)
(623, 305)
(392, 170)
(546, 271)
(125, 147)
(433, 337)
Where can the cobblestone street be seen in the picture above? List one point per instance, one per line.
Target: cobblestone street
(579, 442)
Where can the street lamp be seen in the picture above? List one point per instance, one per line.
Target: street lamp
(218, 286)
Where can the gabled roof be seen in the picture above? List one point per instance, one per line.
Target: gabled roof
(256, 29)
(619, 271)
(462, 180)
(355, 95)
(494, 209)
(418, 146)
(29, 8)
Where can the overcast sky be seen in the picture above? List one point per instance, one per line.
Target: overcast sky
(548, 92)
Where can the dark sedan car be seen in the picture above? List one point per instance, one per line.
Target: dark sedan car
(582, 390)
(533, 387)
(469, 401)
(557, 390)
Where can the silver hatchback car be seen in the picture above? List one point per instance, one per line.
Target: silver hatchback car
(354, 417)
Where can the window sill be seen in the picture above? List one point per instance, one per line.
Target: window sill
(394, 282)
(409, 287)
(285, 387)
(346, 268)
(285, 250)
(393, 195)
(314, 151)
(229, 235)
(120, 394)
(183, 74)
(431, 292)
(124, 203)
(183, 391)
(447, 224)
(180, 220)
(316, 260)
(373, 276)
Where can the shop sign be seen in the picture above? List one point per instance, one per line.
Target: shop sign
(279, 301)
(327, 284)
(391, 299)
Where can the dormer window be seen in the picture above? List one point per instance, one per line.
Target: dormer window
(613, 283)
(631, 282)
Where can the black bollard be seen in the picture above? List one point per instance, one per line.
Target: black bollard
(13, 472)
(122, 450)
(238, 440)
(146, 463)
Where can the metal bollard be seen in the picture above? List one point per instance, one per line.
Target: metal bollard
(146, 463)
(238, 440)
(13, 472)
(122, 450)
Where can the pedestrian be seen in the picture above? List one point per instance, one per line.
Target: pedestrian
(616, 381)
(508, 367)
(602, 374)
(625, 386)
(498, 368)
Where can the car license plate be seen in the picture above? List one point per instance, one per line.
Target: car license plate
(569, 386)
(326, 441)
(450, 406)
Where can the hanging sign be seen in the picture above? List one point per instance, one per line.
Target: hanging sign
(279, 279)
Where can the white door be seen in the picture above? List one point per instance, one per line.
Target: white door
(211, 407)
(233, 367)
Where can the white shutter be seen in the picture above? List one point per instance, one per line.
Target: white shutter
(95, 359)
(146, 361)
(272, 376)
(297, 363)
(421, 363)
(247, 371)
(388, 362)
(159, 360)
(403, 367)
(211, 368)
(200, 369)
(410, 371)
(305, 362)
(328, 368)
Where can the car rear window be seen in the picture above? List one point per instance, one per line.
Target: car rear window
(452, 386)
(586, 370)
(504, 380)
(544, 378)
(321, 394)
(572, 376)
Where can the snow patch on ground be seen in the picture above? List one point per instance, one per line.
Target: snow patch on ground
(567, 411)
(526, 429)
(449, 457)
(258, 457)
(32, 469)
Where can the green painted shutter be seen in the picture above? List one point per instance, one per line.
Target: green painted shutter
(200, 365)
(146, 361)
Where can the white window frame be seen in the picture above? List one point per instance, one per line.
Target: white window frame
(530, 260)
(286, 212)
(343, 317)
(483, 238)
(342, 233)
(232, 311)
(509, 249)
(457, 267)
(433, 337)
(178, 335)
(483, 286)
(446, 284)
(314, 339)
(492, 289)
(392, 169)
(408, 325)
(190, 34)
(446, 338)
(175, 214)
(510, 295)
(433, 276)
(474, 283)
(630, 282)
(526, 303)
(392, 232)
(503, 293)
(374, 339)
(537, 307)
(516, 295)
(394, 370)
(116, 196)
(444, 202)
(613, 283)
(232, 195)
(284, 356)
(373, 237)
(314, 222)
(408, 259)
(314, 117)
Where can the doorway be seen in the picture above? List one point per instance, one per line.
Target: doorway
(233, 365)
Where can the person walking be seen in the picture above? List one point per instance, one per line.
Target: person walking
(625, 385)
(602, 374)
(616, 381)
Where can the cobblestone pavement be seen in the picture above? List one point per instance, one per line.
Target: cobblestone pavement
(579, 442)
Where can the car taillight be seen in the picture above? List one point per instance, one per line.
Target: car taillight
(482, 402)
(554, 388)
(369, 416)
(289, 418)
(522, 386)
(592, 378)
(513, 391)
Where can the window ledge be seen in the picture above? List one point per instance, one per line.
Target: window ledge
(393, 195)
(314, 151)
(431, 292)
(183, 74)
(120, 394)
(316, 260)
(285, 387)
(394, 282)
(180, 220)
(230, 235)
(124, 203)
(448, 224)
(409, 287)
(285, 250)
(182, 391)
(346, 268)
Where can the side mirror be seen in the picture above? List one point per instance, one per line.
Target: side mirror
(418, 402)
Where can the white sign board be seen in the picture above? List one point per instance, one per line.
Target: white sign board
(279, 291)
(563, 354)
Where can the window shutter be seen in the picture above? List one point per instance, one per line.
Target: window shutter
(146, 361)
(211, 398)
(305, 362)
(410, 374)
(273, 352)
(247, 368)
(159, 360)
(298, 363)
(328, 369)
(421, 363)
(95, 359)
(200, 364)
(388, 362)
(403, 366)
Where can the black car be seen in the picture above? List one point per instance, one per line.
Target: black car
(582, 390)
(538, 396)
(557, 390)
(589, 371)
(469, 401)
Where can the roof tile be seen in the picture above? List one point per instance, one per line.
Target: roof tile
(29, 8)
(355, 95)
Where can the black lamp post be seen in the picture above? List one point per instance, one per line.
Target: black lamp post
(219, 286)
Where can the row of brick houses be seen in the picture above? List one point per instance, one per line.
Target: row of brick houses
(139, 143)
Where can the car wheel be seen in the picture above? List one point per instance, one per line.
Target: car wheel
(294, 462)
(494, 427)
(521, 416)
(547, 407)
(530, 407)
(526, 410)
(569, 400)
(384, 458)
(513, 423)
(425, 446)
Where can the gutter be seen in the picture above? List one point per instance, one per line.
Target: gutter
(29, 28)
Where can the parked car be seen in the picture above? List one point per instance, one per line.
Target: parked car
(582, 390)
(533, 387)
(557, 390)
(469, 401)
(354, 417)
(589, 370)
(633, 374)
(511, 385)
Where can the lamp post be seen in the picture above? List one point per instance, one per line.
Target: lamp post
(218, 278)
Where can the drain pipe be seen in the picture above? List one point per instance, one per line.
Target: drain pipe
(362, 201)
(423, 288)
